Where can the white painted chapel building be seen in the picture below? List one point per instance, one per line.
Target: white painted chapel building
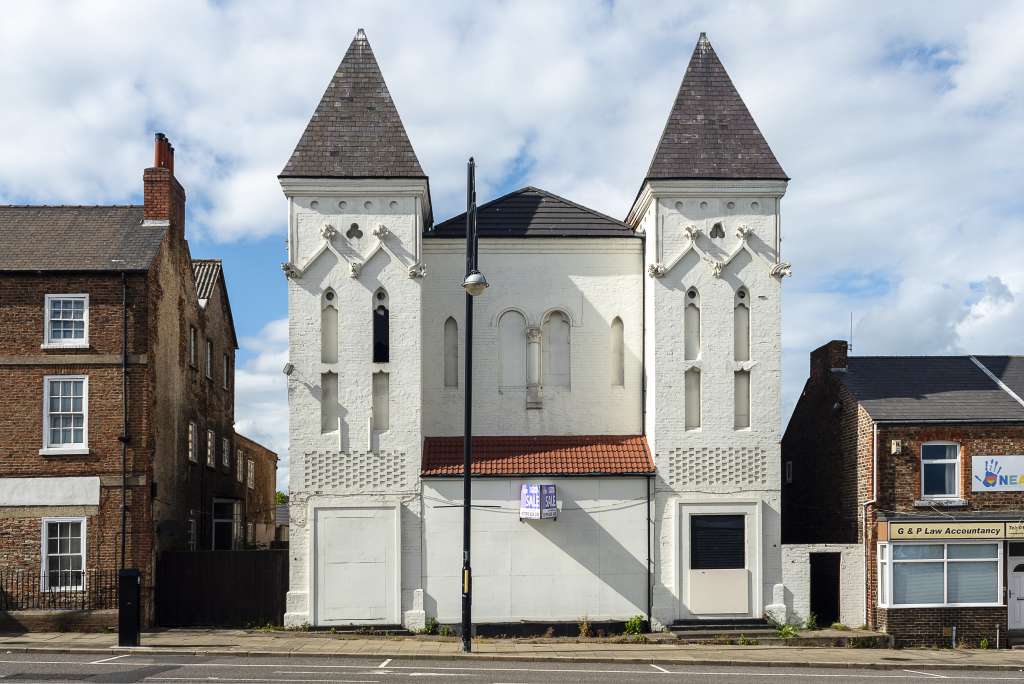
(632, 364)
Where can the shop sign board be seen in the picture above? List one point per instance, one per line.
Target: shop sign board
(997, 473)
(952, 530)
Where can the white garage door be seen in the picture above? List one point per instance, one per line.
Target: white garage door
(355, 565)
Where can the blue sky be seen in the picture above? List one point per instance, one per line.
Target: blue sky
(900, 124)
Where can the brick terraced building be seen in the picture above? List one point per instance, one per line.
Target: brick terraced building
(117, 355)
(918, 461)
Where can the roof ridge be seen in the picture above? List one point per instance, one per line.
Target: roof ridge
(1002, 385)
(546, 193)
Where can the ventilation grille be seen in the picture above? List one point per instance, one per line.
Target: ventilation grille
(718, 467)
(359, 471)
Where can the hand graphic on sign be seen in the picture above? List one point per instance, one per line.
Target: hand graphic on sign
(992, 470)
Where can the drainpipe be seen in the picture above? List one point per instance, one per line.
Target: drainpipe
(650, 578)
(124, 415)
(871, 502)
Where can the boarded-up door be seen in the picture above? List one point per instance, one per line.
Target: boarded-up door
(356, 570)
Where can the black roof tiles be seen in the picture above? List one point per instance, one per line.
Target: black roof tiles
(935, 388)
(710, 133)
(77, 238)
(356, 131)
(531, 212)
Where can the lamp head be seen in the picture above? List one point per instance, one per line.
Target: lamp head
(475, 283)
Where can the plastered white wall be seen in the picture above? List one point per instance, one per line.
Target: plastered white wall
(796, 575)
(590, 562)
(50, 491)
(320, 462)
(592, 281)
(716, 462)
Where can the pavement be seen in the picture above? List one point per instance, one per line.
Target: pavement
(249, 644)
(160, 667)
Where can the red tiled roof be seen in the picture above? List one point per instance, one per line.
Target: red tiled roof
(540, 455)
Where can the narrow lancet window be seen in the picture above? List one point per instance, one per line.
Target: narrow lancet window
(618, 354)
(741, 326)
(691, 392)
(381, 324)
(741, 397)
(451, 353)
(555, 350)
(691, 325)
(330, 412)
(329, 328)
(380, 402)
(512, 348)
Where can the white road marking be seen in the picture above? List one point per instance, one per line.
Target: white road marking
(660, 669)
(737, 668)
(385, 663)
(107, 660)
(241, 679)
(928, 674)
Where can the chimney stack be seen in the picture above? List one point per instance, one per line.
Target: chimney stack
(163, 196)
(829, 357)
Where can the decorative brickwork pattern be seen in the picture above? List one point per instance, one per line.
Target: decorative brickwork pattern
(361, 471)
(718, 466)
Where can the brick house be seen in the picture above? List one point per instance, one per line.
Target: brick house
(915, 460)
(261, 489)
(117, 355)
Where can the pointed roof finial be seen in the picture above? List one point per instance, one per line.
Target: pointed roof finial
(710, 132)
(355, 131)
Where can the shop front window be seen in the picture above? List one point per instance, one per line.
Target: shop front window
(953, 574)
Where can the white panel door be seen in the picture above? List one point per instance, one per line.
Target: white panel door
(355, 565)
(1016, 598)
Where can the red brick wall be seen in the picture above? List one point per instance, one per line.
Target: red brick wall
(924, 626)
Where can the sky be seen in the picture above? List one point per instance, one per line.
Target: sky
(900, 125)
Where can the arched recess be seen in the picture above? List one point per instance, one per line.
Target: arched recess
(555, 333)
(691, 325)
(381, 327)
(329, 327)
(741, 400)
(618, 360)
(741, 325)
(512, 349)
(451, 353)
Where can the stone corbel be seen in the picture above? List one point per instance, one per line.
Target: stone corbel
(418, 270)
(381, 231)
(715, 265)
(780, 270)
(353, 268)
(328, 231)
(656, 270)
(289, 270)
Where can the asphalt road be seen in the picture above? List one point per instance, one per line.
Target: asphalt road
(169, 668)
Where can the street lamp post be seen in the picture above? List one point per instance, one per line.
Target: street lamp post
(474, 284)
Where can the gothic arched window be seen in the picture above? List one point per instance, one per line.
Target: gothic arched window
(618, 360)
(451, 353)
(512, 348)
(691, 325)
(555, 346)
(381, 324)
(329, 327)
(741, 326)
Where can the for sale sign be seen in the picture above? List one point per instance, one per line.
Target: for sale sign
(538, 502)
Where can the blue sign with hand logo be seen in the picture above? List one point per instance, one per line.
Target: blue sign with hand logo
(538, 502)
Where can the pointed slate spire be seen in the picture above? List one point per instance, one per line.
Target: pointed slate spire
(355, 131)
(710, 132)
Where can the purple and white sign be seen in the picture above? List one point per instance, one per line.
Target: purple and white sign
(538, 502)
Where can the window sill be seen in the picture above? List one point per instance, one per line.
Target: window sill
(943, 605)
(940, 503)
(77, 451)
(61, 346)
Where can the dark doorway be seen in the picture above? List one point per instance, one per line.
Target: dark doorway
(825, 587)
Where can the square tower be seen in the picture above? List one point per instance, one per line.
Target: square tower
(357, 203)
(709, 208)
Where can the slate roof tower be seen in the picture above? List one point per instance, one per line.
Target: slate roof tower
(358, 201)
(709, 210)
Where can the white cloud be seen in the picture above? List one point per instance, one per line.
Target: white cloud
(900, 124)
